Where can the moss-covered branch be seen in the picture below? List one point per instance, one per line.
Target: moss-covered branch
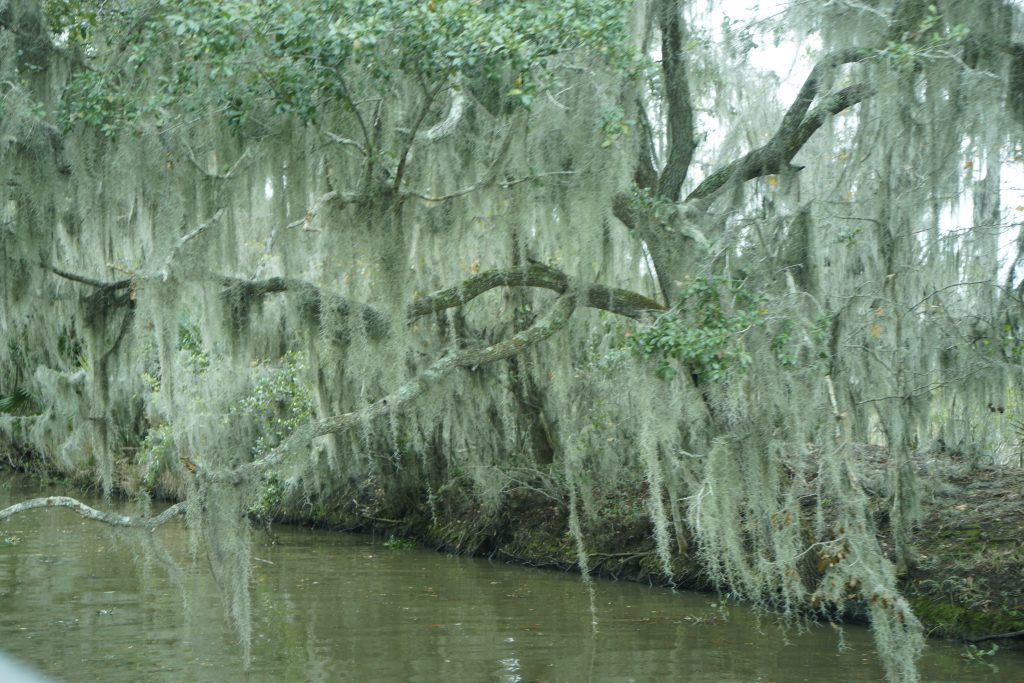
(240, 294)
(611, 299)
(396, 401)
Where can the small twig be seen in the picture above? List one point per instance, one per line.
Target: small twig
(345, 142)
(483, 184)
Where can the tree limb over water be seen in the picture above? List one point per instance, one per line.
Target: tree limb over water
(94, 514)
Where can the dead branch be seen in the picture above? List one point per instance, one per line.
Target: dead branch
(94, 514)
(345, 142)
(81, 279)
(444, 127)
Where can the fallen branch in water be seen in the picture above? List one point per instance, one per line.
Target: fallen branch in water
(92, 513)
(995, 636)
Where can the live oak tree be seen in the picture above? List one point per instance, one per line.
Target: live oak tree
(271, 253)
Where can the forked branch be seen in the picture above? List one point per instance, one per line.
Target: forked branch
(798, 124)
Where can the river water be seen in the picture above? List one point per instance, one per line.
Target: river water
(79, 602)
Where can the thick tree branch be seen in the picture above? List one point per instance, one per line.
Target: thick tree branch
(796, 128)
(646, 175)
(679, 108)
(611, 299)
(241, 293)
(793, 118)
(830, 105)
(92, 513)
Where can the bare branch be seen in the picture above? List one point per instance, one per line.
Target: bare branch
(491, 177)
(307, 220)
(100, 284)
(995, 636)
(92, 513)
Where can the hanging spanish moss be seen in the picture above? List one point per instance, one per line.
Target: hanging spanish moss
(289, 270)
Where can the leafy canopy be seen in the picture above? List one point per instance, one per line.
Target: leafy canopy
(257, 59)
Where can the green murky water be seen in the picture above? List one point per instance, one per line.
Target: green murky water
(79, 603)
